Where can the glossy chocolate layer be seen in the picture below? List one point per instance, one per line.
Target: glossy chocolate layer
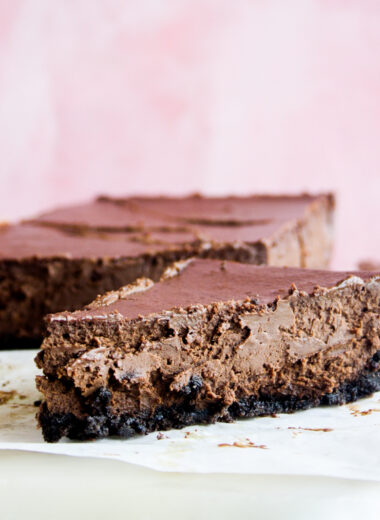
(179, 212)
(271, 230)
(209, 281)
(28, 241)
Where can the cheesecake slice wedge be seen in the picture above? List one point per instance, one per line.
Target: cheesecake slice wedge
(211, 341)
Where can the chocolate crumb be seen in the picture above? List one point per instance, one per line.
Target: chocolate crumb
(6, 396)
(37, 403)
(356, 413)
(248, 444)
(311, 429)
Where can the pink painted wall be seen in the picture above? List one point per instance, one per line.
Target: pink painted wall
(170, 96)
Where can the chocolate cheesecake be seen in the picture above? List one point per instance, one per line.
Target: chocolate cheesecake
(211, 341)
(63, 259)
(262, 229)
(45, 270)
(369, 265)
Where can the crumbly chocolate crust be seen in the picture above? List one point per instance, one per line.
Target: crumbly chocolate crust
(101, 422)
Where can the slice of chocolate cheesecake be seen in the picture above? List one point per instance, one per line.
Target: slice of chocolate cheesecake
(46, 269)
(212, 341)
(292, 230)
(62, 260)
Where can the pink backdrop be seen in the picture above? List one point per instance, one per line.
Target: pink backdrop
(193, 95)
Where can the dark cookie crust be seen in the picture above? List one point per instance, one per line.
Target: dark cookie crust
(101, 423)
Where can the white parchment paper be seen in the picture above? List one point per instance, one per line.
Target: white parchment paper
(338, 441)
